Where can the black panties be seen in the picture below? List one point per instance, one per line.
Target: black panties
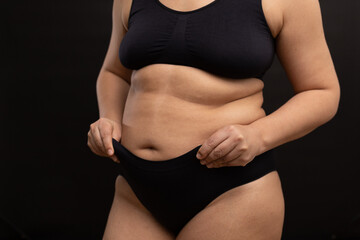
(175, 190)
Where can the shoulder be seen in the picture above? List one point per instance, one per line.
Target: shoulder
(284, 13)
(299, 6)
(300, 13)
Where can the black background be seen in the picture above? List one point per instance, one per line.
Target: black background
(53, 187)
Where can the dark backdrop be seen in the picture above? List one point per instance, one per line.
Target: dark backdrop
(53, 187)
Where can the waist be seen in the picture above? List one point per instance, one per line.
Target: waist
(159, 126)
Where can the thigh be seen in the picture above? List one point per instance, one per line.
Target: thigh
(251, 211)
(129, 219)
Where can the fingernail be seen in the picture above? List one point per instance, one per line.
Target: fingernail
(210, 165)
(198, 155)
(202, 162)
(109, 151)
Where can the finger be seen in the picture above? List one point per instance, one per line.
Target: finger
(115, 159)
(219, 151)
(92, 146)
(242, 160)
(234, 154)
(106, 137)
(98, 141)
(210, 143)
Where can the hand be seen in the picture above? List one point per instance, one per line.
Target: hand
(100, 137)
(232, 145)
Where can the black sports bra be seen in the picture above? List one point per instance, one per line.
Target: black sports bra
(229, 38)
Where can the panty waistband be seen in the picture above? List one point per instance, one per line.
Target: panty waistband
(162, 165)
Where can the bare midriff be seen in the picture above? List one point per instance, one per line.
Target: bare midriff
(170, 109)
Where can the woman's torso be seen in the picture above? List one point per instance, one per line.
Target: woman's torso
(170, 109)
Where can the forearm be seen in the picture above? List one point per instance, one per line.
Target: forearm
(303, 113)
(111, 93)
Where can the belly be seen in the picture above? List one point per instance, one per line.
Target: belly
(170, 109)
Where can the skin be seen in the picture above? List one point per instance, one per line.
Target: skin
(152, 107)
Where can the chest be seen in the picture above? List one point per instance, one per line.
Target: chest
(227, 37)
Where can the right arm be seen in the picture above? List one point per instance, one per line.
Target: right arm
(112, 87)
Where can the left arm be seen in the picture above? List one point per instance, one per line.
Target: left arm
(304, 54)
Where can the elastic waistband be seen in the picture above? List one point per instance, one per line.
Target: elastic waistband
(161, 165)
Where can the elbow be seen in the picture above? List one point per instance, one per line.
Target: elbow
(334, 101)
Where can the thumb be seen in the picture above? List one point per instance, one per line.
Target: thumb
(116, 134)
(114, 158)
